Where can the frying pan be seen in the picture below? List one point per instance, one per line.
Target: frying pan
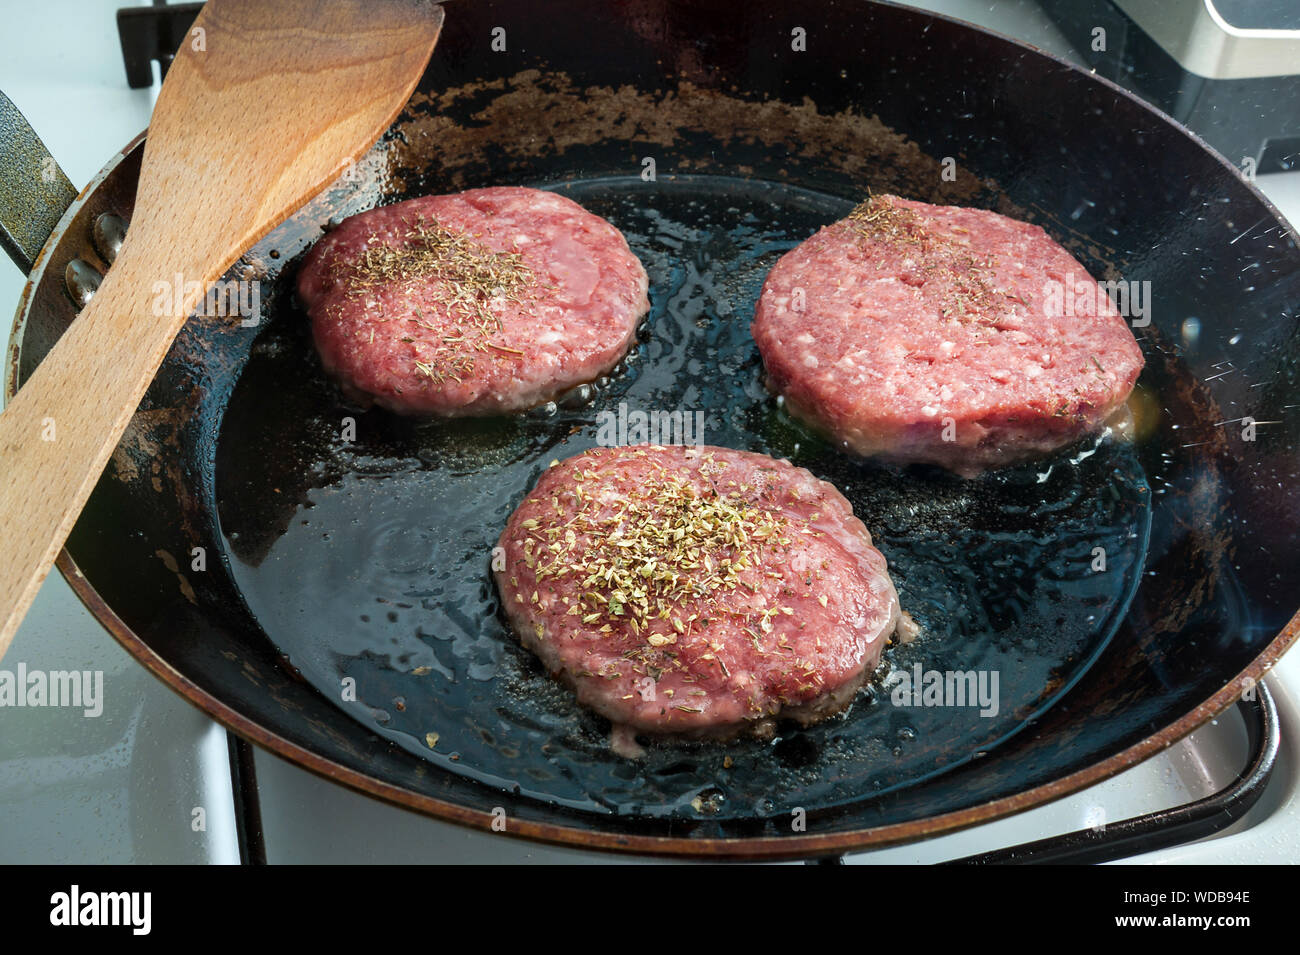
(316, 576)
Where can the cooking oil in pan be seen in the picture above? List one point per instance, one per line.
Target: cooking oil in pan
(365, 556)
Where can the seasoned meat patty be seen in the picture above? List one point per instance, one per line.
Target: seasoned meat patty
(478, 303)
(953, 336)
(696, 591)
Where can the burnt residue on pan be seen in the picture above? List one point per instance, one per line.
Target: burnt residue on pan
(437, 143)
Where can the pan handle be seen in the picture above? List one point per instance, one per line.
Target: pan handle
(34, 191)
(1166, 828)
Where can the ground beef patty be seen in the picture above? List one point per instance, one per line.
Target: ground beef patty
(479, 303)
(696, 591)
(935, 333)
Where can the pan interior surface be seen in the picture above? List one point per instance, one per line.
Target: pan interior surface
(361, 542)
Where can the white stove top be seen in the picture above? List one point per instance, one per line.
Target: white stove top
(124, 786)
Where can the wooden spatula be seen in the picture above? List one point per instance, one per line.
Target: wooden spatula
(263, 106)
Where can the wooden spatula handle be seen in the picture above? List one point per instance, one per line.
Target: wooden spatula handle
(60, 429)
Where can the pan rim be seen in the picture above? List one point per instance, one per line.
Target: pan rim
(770, 848)
(740, 848)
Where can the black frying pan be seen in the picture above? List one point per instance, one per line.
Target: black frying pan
(346, 611)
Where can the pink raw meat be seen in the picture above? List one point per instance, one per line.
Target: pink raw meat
(418, 342)
(742, 589)
(930, 333)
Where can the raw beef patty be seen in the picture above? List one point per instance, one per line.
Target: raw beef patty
(696, 591)
(479, 303)
(954, 336)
